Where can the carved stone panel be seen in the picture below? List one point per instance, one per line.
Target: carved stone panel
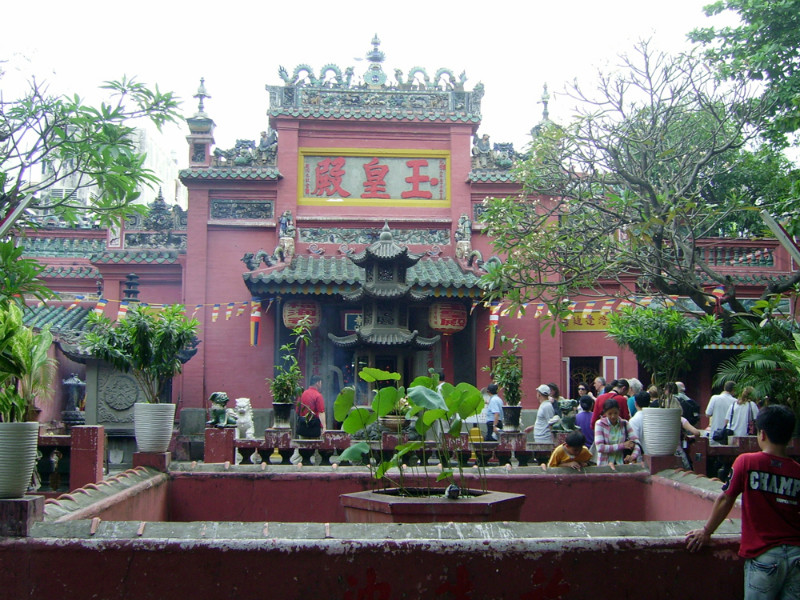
(242, 209)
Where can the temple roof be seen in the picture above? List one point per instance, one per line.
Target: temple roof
(55, 246)
(136, 256)
(336, 275)
(58, 317)
(410, 96)
(385, 250)
(70, 272)
(394, 337)
(222, 173)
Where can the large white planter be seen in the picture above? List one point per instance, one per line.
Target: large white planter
(17, 457)
(153, 426)
(662, 430)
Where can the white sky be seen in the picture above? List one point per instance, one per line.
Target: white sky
(512, 46)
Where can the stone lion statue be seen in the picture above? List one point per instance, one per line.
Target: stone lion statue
(245, 427)
(220, 415)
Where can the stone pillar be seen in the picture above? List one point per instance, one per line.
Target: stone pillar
(17, 515)
(155, 460)
(88, 450)
(219, 445)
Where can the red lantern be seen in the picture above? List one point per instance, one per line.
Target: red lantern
(295, 310)
(447, 317)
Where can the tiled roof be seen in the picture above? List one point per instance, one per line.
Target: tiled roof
(328, 275)
(382, 114)
(70, 272)
(494, 176)
(222, 173)
(43, 247)
(136, 256)
(58, 317)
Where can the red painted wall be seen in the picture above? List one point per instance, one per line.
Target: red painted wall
(317, 567)
(312, 496)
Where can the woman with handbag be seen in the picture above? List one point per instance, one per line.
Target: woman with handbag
(311, 410)
(742, 416)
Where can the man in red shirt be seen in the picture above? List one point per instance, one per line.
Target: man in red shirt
(311, 400)
(769, 482)
(619, 393)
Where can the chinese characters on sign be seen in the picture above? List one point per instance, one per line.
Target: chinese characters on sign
(593, 321)
(375, 177)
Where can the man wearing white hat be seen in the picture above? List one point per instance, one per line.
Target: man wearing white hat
(542, 429)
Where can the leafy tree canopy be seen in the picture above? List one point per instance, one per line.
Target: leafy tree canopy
(764, 46)
(666, 342)
(618, 202)
(48, 140)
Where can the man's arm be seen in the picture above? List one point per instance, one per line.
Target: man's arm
(697, 538)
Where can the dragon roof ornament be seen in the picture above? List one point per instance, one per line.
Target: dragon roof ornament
(410, 96)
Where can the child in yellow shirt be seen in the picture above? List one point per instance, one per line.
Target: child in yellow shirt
(572, 453)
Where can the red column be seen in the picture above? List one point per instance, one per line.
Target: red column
(219, 445)
(88, 449)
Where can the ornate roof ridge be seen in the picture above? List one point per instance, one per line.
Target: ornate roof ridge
(334, 93)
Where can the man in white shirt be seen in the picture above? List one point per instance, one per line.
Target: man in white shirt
(542, 429)
(718, 408)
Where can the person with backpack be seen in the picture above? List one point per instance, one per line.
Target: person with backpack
(690, 408)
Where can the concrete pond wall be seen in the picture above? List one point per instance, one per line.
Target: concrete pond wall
(243, 533)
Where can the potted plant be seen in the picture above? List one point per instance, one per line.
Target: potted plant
(438, 410)
(151, 345)
(26, 371)
(506, 371)
(666, 342)
(287, 384)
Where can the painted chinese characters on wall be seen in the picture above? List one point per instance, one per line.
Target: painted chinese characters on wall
(375, 177)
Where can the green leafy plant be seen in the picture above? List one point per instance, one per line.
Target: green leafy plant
(150, 344)
(439, 410)
(766, 364)
(507, 370)
(26, 370)
(62, 137)
(665, 341)
(19, 276)
(287, 384)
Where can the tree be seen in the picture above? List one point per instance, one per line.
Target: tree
(612, 204)
(666, 342)
(764, 46)
(63, 138)
(766, 363)
(149, 344)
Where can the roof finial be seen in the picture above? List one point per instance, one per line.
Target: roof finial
(201, 95)
(545, 99)
(375, 55)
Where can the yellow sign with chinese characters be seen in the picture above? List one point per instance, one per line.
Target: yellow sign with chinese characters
(374, 177)
(592, 321)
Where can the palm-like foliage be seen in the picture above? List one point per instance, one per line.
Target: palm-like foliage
(767, 364)
(26, 370)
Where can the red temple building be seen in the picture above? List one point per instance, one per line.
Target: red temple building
(359, 207)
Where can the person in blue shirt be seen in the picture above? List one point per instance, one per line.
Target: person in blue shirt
(494, 412)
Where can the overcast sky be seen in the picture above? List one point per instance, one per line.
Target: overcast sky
(512, 46)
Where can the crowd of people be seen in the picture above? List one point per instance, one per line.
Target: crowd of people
(610, 421)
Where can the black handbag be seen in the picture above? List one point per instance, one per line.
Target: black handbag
(722, 434)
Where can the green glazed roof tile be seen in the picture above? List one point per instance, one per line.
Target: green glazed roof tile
(58, 317)
(136, 256)
(340, 273)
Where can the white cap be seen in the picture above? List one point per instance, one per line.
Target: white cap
(543, 389)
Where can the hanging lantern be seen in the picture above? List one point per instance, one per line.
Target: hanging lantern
(295, 310)
(447, 317)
